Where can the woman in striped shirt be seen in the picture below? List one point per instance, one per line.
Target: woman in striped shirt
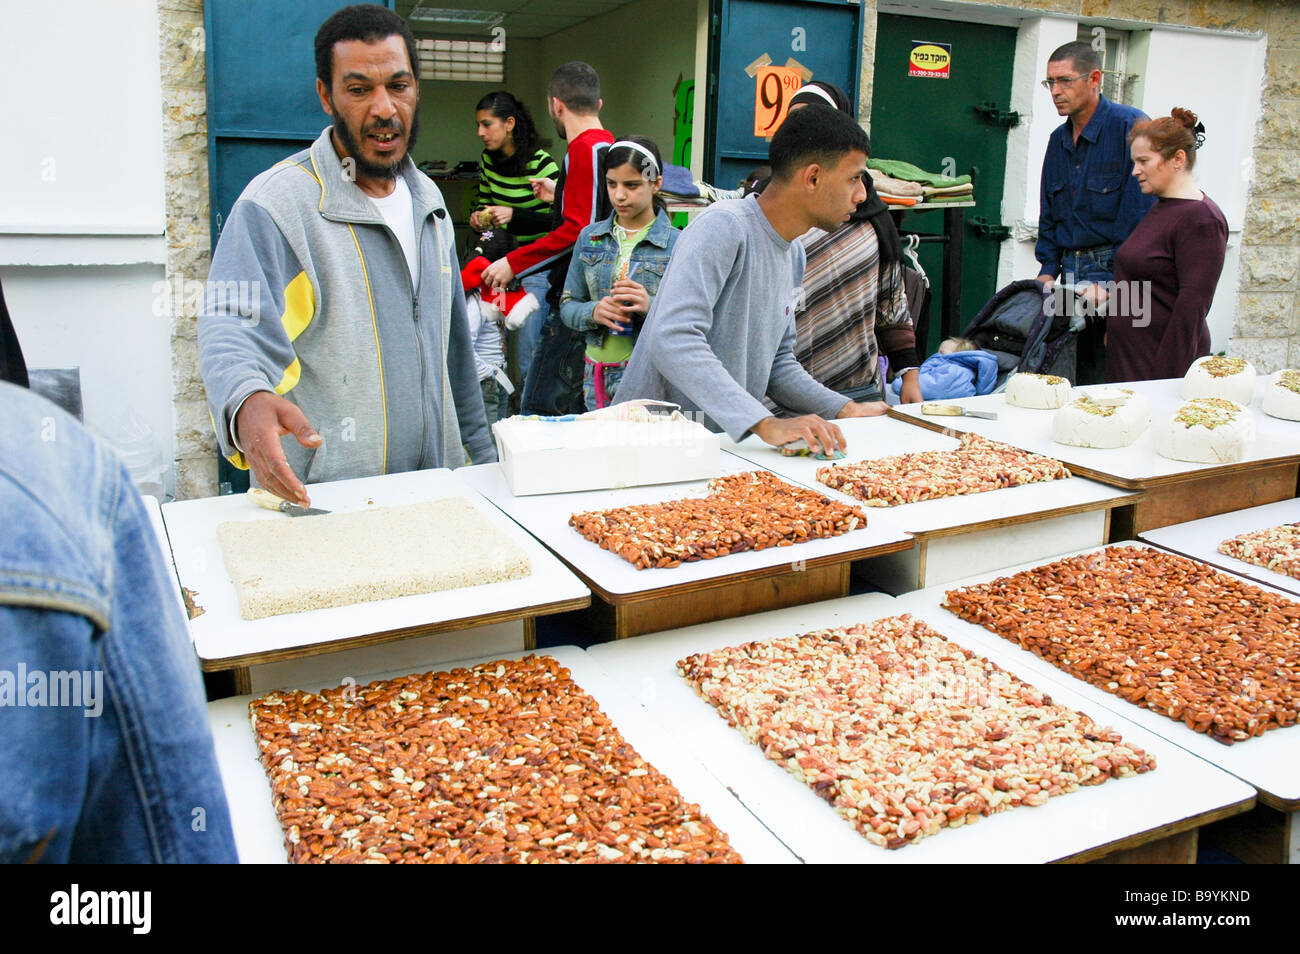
(510, 159)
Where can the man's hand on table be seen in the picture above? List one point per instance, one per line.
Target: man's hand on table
(863, 409)
(822, 436)
(262, 420)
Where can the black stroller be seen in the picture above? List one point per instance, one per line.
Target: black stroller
(1028, 327)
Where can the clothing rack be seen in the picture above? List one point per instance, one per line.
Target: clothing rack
(954, 223)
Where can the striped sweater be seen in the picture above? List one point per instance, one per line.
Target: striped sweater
(852, 310)
(532, 217)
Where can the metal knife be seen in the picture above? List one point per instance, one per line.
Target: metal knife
(953, 410)
(269, 501)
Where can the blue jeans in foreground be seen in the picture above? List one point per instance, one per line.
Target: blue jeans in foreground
(1090, 265)
(538, 284)
(105, 750)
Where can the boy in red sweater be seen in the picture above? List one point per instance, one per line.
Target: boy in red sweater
(574, 104)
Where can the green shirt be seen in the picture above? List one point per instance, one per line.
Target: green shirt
(532, 217)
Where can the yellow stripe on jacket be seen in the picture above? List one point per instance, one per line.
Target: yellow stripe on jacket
(299, 310)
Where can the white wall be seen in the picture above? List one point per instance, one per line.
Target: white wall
(1219, 78)
(81, 204)
(82, 115)
(100, 319)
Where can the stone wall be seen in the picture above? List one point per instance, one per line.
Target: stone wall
(185, 145)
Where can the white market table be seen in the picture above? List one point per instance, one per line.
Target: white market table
(631, 602)
(259, 837)
(154, 509)
(1176, 491)
(494, 617)
(1150, 817)
(1270, 762)
(1200, 539)
(955, 536)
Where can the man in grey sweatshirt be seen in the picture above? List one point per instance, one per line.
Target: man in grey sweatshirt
(333, 341)
(720, 333)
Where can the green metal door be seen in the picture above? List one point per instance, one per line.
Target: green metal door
(956, 125)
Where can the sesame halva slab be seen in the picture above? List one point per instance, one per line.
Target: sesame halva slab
(290, 565)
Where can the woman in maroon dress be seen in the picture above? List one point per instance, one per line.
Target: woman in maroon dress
(1165, 274)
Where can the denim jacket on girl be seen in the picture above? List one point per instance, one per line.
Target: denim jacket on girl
(591, 273)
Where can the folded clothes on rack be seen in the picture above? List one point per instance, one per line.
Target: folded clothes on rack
(949, 199)
(899, 200)
(965, 188)
(899, 169)
(889, 185)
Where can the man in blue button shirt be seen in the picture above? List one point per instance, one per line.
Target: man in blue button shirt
(1089, 202)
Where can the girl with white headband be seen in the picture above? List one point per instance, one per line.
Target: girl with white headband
(617, 263)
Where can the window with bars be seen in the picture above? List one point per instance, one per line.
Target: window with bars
(1117, 85)
(478, 61)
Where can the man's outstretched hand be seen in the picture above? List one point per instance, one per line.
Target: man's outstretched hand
(863, 409)
(262, 420)
(822, 436)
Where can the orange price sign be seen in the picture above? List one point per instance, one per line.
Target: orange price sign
(773, 87)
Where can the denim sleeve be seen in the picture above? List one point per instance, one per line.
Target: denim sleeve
(114, 760)
(575, 308)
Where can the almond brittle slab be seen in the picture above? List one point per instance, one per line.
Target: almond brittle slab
(509, 761)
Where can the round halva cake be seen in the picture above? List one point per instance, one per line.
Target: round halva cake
(1043, 391)
(1206, 431)
(1105, 417)
(1282, 397)
(1220, 377)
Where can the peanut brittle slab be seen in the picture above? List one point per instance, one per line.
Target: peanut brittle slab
(902, 731)
(977, 466)
(1274, 548)
(507, 761)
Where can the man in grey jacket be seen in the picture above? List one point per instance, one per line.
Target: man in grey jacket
(720, 333)
(333, 341)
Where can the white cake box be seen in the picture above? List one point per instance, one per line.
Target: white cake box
(620, 446)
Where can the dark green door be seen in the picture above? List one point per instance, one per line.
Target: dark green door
(934, 123)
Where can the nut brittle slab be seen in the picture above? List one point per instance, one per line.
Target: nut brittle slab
(507, 761)
(753, 510)
(902, 731)
(976, 466)
(1159, 630)
(1274, 548)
